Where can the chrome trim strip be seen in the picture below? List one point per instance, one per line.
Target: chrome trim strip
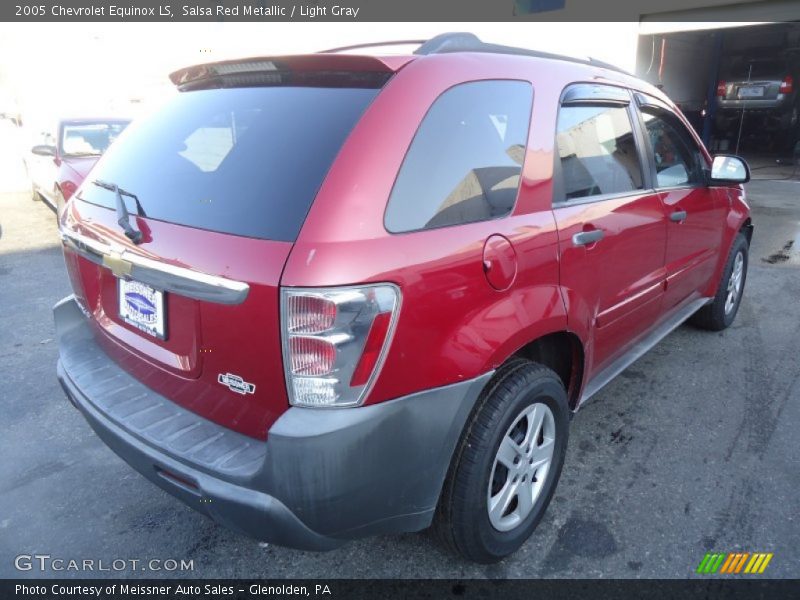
(162, 276)
(640, 348)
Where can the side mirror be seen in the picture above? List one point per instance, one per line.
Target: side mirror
(728, 169)
(44, 150)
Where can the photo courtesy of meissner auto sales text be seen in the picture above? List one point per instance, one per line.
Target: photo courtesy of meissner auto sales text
(372, 299)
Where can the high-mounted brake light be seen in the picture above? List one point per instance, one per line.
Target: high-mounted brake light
(787, 85)
(334, 341)
(721, 86)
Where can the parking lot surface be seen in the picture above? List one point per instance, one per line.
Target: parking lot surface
(692, 449)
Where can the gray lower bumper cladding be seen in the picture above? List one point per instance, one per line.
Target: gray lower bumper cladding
(321, 477)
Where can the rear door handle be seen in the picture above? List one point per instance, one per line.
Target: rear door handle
(678, 216)
(584, 238)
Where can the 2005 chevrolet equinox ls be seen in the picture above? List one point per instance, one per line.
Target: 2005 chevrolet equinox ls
(327, 296)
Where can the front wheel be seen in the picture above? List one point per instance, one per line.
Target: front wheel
(507, 465)
(721, 311)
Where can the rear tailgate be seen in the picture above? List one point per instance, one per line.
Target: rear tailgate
(218, 182)
(754, 80)
(203, 339)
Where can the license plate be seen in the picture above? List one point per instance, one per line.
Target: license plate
(751, 92)
(143, 307)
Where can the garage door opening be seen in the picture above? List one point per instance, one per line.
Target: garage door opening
(739, 86)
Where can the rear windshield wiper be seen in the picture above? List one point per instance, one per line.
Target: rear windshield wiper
(123, 217)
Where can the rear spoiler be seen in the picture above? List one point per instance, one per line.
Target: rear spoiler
(277, 66)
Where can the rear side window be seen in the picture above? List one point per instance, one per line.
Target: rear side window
(597, 150)
(246, 161)
(465, 161)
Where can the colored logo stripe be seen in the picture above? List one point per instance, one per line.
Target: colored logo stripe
(734, 562)
(710, 563)
(758, 563)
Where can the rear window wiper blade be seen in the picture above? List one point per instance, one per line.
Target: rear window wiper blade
(123, 216)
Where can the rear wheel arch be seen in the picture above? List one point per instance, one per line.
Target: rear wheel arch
(562, 352)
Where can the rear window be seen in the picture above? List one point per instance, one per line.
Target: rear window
(761, 68)
(246, 161)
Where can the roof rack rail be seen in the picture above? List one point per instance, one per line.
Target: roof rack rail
(469, 42)
(371, 45)
(446, 43)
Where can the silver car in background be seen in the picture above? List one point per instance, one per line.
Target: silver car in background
(765, 90)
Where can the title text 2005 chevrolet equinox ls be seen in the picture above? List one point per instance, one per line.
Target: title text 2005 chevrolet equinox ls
(327, 296)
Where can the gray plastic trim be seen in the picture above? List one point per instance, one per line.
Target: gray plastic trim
(641, 347)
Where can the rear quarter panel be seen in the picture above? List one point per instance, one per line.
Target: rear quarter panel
(453, 325)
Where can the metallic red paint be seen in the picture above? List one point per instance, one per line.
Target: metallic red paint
(203, 339)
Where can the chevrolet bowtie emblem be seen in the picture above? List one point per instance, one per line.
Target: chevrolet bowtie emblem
(118, 265)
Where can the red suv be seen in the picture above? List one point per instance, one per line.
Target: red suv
(329, 296)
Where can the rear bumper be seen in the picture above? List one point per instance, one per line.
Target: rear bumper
(770, 114)
(780, 103)
(321, 478)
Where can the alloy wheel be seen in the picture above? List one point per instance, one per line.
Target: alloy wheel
(520, 467)
(735, 282)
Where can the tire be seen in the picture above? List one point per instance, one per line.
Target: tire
(721, 311)
(519, 392)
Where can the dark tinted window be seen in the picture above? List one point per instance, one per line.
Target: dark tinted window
(597, 151)
(465, 161)
(675, 153)
(246, 161)
(774, 68)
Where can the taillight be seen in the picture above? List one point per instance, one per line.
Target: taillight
(309, 314)
(334, 341)
(311, 356)
(721, 86)
(787, 85)
(67, 189)
(372, 349)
